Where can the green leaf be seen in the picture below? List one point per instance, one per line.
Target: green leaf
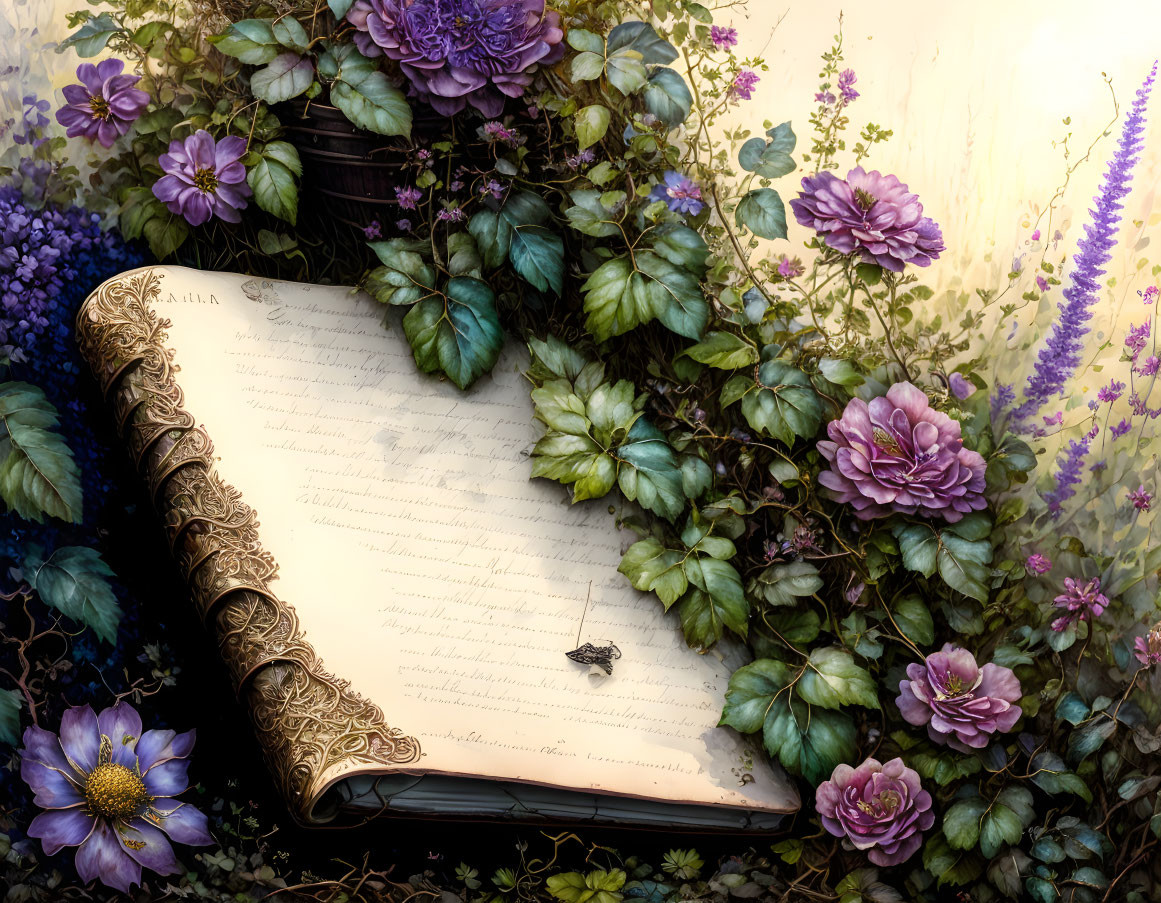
(770, 159)
(554, 358)
(841, 372)
(287, 76)
(919, 546)
(272, 181)
(11, 705)
(651, 567)
(591, 123)
(762, 212)
(714, 601)
(367, 97)
(1040, 890)
(463, 256)
(832, 679)
(675, 297)
(913, 618)
(1051, 775)
(723, 350)
(1089, 737)
(1004, 821)
(784, 584)
(405, 276)
(458, 333)
(587, 66)
(649, 473)
(38, 475)
(165, 231)
(252, 41)
(642, 38)
(683, 247)
(941, 765)
(289, 33)
(963, 564)
(798, 628)
(595, 887)
(785, 405)
(751, 694)
(696, 476)
(580, 39)
(589, 215)
(1072, 708)
(75, 581)
(615, 299)
(493, 235)
(961, 823)
(148, 33)
(950, 866)
(538, 255)
(668, 97)
(91, 38)
(626, 71)
(340, 7)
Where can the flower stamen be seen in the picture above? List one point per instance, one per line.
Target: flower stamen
(205, 179)
(114, 792)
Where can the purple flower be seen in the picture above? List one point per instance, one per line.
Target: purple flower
(1058, 359)
(880, 808)
(1119, 429)
(1148, 648)
(1137, 338)
(1042, 283)
(824, 97)
(871, 214)
(1111, 392)
(1081, 602)
(1069, 465)
(104, 104)
(408, 197)
(1001, 399)
(961, 703)
(108, 789)
(680, 193)
(896, 454)
(1151, 366)
(1140, 498)
(1036, 235)
(578, 160)
(451, 215)
(790, 267)
(373, 231)
(744, 83)
(1150, 294)
(723, 38)
(960, 387)
(204, 178)
(1038, 564)
(456, 52)
(403, 225)
(846, 81)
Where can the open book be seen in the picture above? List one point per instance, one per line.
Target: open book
(399, 623)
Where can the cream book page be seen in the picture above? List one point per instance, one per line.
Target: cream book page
(427, 568)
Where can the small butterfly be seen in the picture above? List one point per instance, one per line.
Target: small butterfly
(601, 656)
(260, 290)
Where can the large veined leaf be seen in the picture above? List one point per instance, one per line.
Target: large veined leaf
(785, 584)
(649, 472)
(75, 581)
(38, 475)
(366, 96)
(642, 38)
(782, 404)
(832, 679)
(667, 97)
(91, 38)
(287, 76)
(251, 41)
(676, 295)
(272, 180)
(961, 562)
(770, 159)
(715, 601)
(340, 7)
(288, 31)
(621, 294)
(683, 247)
(405, 276)
(723, 350)
(590, 216)
(651, 567)
(591, 123)
(762, 212)
(598, 886)
(458, 332)
(538, 256)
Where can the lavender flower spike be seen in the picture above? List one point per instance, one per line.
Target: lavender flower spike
(1061, 354)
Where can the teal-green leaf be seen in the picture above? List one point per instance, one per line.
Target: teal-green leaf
(405, 276)
(668, 97)
(75, 581)
(38, 476)
(963, 564)
(763, 213)
(832, 679)
(458, 333)
(589, 215)
(785, 584)
(950, 866)
(591, 123)
(919, 546)
(751, 693)
(714, 601)
(287, 76)
(552, 357)
(770, 159)
(91, 38)
(493, 235)
(723, 350)
(288, 32)
(615, 299)
(11, 705)
(696, 476)
(683, 247)
(809, 741)
(785, 405)
(372, 103)
(251, 41)
(651, 567)
(649, 473)
(586, 66)
(961, 823)
(274, 188)
(841, 372)
(913, 617)
(798, 628)
(340, 7)
(538, 256)
(641, 37)
(675, 296)
(1000, 826)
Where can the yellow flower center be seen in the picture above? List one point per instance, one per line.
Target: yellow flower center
(98, 107)
(116, 793)
(205, 179)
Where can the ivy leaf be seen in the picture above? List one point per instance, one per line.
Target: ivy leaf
(763, 213)
(538, 256)
(272, 180)
(841, 372)
(11, 705)
(675, 296)
(1089, 737)
(493, 235)
(796, 627)
(582, 40)
(405, 276)
(913, 618)
(458, 333)
(668, 97)
(587, 66)
(38, 475)
(589, 215)
(950, 866)
(961, 823)
(289, 32)
(367, 97)
(651, 567)
(714, 601)
(919, 547)
(696, 476)
(642, 38)
(940, 765)
(74, 581)
(251, 41)
(287, 76)
(554, 358)
(1005, 820)
(649, 473)
(784, 584)
(683, 247)
(832, 679)
(568, 453)
(91, 38)
(963, 564)
(625, 70)
(591, 123)
(615, 299)
(784, 405)
(1051, 775)
(723, 350)
(770, 159)
(751, 693)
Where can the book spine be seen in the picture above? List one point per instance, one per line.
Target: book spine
(311, 725)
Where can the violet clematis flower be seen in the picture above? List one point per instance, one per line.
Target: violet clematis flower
(871, 215)
(1080, 601)
(1147, 648)
(681, 193)
(204, 178)
(961, 703)
(880, 808)
(108, 789)
(104, 104)
(897, 454)
(456, 52)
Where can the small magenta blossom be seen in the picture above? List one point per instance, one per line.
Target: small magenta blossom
(104, 104)
(682, 194)
(846, 82)
(790, 267)
(1150, 294)
(204, 178)
(744, 84)
(880, 808)
(1042, 283)
(1140, 498)
(1110, 393)
(109, 790)
(897, 454)
(1081, 602)
(961, 703)
(723, 37)
(1148, 648)
(1036, 235)
(871, 215)
(1038, 564)
(408, 198)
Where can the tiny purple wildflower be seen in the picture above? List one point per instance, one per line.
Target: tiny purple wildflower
(1042, 283)
(846, 81)
(403, 225)
(451, 215)
(1081, 602)
(723, 38)
(1119, 429)
(1110, 393)
(790, 267)
(1140, 498)
(373, 231)
(960, 387)
(408, 198)
(1038, 564)
(744, 83)
(1151, 366)
(1036, 235)
(1148, 648)
(1150, 294)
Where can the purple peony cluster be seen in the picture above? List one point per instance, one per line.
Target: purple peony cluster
(871, 215)
(109, 790)
(204, 178)
(37, 250)
(879, 808)
(104, 104)
(961, 703)
(897, 454)
(460, 52)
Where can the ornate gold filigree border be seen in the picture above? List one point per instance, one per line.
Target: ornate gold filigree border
(312, 726)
